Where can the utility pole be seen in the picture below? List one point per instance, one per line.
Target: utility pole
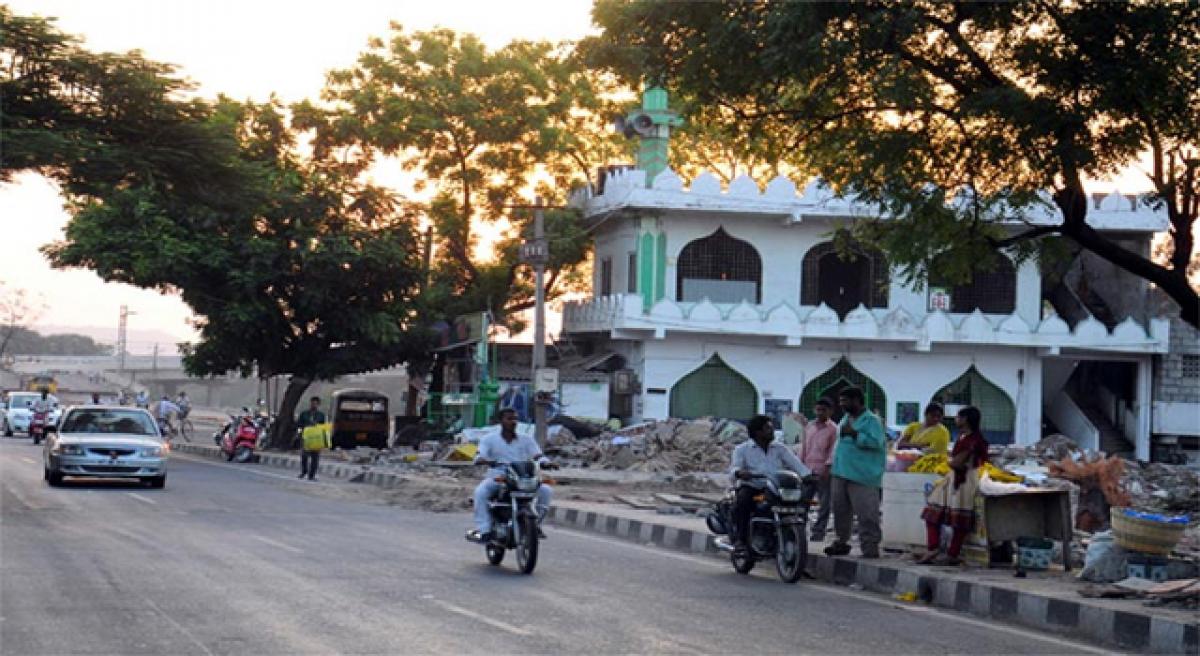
(536, 252)
(123, 337)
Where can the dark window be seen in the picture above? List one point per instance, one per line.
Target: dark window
(1190, 366)
(993, 292)
(721, 269)
(844, 281)
(633, 273)
(606, 276)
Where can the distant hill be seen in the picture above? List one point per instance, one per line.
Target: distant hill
(31, 342)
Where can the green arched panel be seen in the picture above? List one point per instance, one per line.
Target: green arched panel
(646, 270)
(714, 390)
(660, 267)
(837, 378)
(972, 388)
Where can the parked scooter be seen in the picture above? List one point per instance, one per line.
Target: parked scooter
(777, 527)
(239, 438)
(37, 426)
(514, 515)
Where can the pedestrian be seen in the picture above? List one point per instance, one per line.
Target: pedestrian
(930, 436)
(816, 452)
(310, 459)
(858, 462)
(95, 398)
(951, 502)
(143, 400)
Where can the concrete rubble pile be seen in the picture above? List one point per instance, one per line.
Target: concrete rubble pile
(671, 446)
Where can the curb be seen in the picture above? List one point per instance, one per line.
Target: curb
(1130, 630)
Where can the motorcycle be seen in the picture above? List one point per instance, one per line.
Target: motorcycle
(238, 439)
(777, 527)
(514, 516)
(37, 426)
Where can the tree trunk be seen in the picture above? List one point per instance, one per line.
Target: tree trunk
(283, 432)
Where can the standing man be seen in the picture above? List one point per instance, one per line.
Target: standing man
(759, 456)
(142, 400)
(858, 463)
(311, 458)
(820, 438)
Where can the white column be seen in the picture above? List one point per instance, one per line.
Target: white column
(1029, 403)
(1143, 405)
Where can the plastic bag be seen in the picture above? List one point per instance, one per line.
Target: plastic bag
(1105, 562)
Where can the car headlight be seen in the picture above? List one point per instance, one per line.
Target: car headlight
(152, 452)
(67, 450)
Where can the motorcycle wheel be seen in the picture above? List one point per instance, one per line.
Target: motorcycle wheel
(244, 454)
(495, 555)
(527, 548)
(742, 561)
(792, 553)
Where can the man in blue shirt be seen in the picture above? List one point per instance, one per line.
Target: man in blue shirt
(858, 463)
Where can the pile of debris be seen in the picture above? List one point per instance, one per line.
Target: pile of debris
(671, 446)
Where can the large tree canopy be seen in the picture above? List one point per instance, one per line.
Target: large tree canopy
(480, 129)
(999, 99)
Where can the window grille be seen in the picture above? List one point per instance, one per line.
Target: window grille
(714, 390)
(833, 381)
(993, 292)
(606, 272)
(1190, 366)
(999, 415)
(633, 272)
(844, 284)
(720, 268)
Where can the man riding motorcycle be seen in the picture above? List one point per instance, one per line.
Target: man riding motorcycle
(505, 446)
(757, 457)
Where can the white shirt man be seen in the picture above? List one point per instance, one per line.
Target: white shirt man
(505, 446)
(165, 408)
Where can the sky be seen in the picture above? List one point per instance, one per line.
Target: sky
(247, 49)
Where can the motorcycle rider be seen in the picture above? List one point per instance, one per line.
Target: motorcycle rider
(759, 456)
(42, 404)
(505, 446)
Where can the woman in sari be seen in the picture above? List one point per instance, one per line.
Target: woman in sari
(930, 436)
(951, 502)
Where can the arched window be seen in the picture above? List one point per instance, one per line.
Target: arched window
(834, 380)
(843, 283)
(721, 269)
(714, 390)
(971, 388)
(993, 291)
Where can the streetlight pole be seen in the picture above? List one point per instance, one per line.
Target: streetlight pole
(539, 324)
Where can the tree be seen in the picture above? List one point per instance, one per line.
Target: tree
(993, 101)
(17, 312)
(30, 342)
(315, 279)
(480, 129)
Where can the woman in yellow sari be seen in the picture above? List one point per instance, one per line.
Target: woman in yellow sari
(930, 436)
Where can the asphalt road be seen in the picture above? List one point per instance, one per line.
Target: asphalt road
(242, 560)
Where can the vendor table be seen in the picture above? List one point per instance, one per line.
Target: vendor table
(1033, 513)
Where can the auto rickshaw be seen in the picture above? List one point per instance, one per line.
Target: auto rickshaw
(360, 418)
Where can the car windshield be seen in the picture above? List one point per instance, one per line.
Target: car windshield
(25, 400)
(96, 420)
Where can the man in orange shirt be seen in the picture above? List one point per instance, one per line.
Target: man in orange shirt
(816, 452)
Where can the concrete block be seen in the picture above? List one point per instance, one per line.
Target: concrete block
(944, 592)
(907, 581)
(981, 600)
(1032, 610)
(622, 528)
(699, 542)
(669, 536)
(1166, 636)
(1095, 622)
(645, 533)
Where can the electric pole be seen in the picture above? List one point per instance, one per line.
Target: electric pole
(537, 252)
(123, 337)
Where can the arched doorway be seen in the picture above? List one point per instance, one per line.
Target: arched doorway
(834, 380)
(714, 390)
(972, 388)
(843, 283)
(721, 269)
(993, 290)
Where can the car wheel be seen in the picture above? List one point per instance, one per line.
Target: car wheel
(54, 478)
(157, 482)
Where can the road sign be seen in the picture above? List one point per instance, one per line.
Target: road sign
(546, 380)
(535, 252)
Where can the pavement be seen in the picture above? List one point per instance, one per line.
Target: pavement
(245, 559)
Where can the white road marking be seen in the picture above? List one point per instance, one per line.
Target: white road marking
(143, 499)
(275, 543)
(465, 612)
(862, 596)
(28, 460)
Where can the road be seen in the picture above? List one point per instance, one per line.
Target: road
(243, 560)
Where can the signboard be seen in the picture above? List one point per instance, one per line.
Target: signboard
(459, 398)
(545, 380)
(535, 252)
(939, 299)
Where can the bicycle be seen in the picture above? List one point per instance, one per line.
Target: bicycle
(186, 428)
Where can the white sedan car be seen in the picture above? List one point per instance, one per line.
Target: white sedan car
(106, 442)
(16, 412)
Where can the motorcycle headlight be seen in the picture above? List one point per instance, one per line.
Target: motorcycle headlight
(527, 484)
(152, 452)
(790, 495)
